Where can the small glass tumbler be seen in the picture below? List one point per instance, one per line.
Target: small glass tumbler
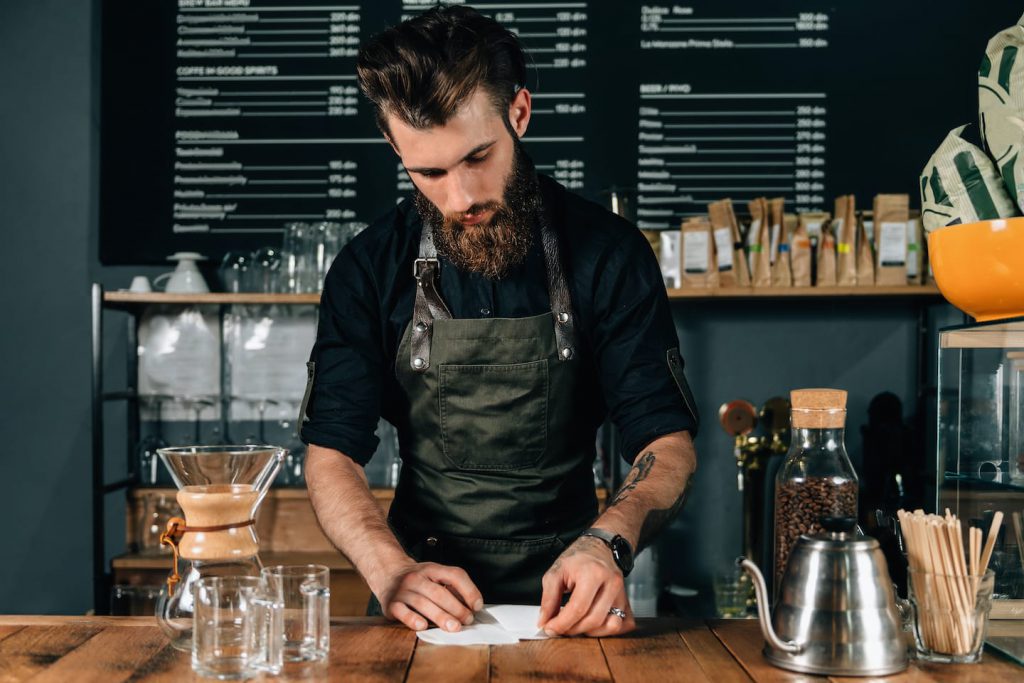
(950, 615)
(305, 592)
(733, 591)
(237, 628)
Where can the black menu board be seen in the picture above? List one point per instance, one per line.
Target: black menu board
(222, 120)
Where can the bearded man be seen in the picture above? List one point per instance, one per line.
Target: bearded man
(496, 320)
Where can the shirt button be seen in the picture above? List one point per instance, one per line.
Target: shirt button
(485, 311)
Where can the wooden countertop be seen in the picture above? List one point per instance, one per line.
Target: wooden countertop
(112, 649)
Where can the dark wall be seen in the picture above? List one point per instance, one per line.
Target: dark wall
(48, 214)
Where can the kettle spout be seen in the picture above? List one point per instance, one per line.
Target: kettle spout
(764, 617)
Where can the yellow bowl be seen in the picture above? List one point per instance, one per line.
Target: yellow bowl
(979, 267)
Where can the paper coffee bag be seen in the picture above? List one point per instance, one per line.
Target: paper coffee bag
(826, 274)
(960, 184)
(758, 244)
(845, 227)
(800, 252)
(915, 252)
(782, 268)
(698, 254)
(891, 213)
(865, 255)
(732, 262)
(1001, 107)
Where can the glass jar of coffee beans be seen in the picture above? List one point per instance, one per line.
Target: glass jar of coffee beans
(816, 479)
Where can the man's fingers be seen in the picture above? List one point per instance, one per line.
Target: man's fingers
(458, 580)
(445, 599)
(551, 599)
(429, 609)
(614, 626)
(605, 599)
(577, 608)
(407, 616)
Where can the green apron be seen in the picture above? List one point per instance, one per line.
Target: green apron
(496, 473)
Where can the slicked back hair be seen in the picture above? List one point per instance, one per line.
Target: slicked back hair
(424, 69)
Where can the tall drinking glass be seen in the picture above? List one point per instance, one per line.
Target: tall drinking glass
(305, 593)
(237, 629)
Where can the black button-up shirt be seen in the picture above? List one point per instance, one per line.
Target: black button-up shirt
(624, 325)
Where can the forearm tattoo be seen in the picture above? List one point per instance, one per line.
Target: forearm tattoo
(655, 520)
(640, 470)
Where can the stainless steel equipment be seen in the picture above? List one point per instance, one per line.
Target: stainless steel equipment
(836, 610)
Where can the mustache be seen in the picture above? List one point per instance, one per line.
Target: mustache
(460, 216)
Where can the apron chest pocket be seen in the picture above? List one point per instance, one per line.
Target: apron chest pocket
(494, 417)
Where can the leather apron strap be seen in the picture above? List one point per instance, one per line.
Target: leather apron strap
(429, 305)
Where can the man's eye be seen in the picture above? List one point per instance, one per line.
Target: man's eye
(430, 174)
(476, 160)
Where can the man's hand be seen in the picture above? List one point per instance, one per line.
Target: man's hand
(420, 591)
(587, 569)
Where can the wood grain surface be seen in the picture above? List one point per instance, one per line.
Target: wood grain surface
(116, 649)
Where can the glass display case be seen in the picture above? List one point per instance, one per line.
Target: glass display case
(980, 455)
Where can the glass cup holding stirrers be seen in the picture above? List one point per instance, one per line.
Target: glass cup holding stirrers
(321, 246)
(146, 451)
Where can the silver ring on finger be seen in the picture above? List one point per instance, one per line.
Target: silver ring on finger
(621, 614)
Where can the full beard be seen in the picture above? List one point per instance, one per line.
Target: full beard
(495, 249)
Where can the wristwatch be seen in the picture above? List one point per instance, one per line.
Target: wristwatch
(622, 551)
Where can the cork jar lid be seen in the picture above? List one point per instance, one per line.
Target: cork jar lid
(818, 408)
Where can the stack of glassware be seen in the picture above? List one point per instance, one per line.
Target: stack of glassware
(298, 266)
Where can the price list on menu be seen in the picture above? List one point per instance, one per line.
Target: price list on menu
(555, 36)
(223, 120)
(699, 139)
(240, 69)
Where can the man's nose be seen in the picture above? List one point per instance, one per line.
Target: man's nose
(461, 194)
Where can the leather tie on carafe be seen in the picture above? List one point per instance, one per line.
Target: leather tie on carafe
(176, 528)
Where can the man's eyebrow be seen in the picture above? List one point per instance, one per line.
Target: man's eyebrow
(473, 152)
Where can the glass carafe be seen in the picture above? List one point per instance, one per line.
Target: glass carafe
(219, 489)
(816, 479)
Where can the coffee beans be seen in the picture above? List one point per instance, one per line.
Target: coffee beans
(799, 506)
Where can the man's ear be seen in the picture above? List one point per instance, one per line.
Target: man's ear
(519, 112)
(393, 145)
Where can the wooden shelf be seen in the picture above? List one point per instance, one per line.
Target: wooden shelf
(928, 291)
(126, 299)
(213, 298)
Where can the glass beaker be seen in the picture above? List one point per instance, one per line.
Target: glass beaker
(219, 489)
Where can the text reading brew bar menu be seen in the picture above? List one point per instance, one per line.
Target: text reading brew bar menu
(555, 37)
(701, 140)
(261, 93)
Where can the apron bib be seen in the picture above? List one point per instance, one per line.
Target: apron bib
(496, 473)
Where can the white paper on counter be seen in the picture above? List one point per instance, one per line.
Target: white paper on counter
(518, 619)
(814, 229)
(776, 233)
(493, 625)
(474, 634)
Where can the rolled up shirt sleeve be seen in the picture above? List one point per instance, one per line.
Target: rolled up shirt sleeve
(347, 360)
(636, 348)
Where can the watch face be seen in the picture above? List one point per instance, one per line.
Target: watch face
(623, 554)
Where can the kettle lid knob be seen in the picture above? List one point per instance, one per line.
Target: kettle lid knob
(839, 525)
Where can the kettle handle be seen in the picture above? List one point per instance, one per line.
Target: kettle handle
(761, 589)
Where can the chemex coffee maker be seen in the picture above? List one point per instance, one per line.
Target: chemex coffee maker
(219, 490)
